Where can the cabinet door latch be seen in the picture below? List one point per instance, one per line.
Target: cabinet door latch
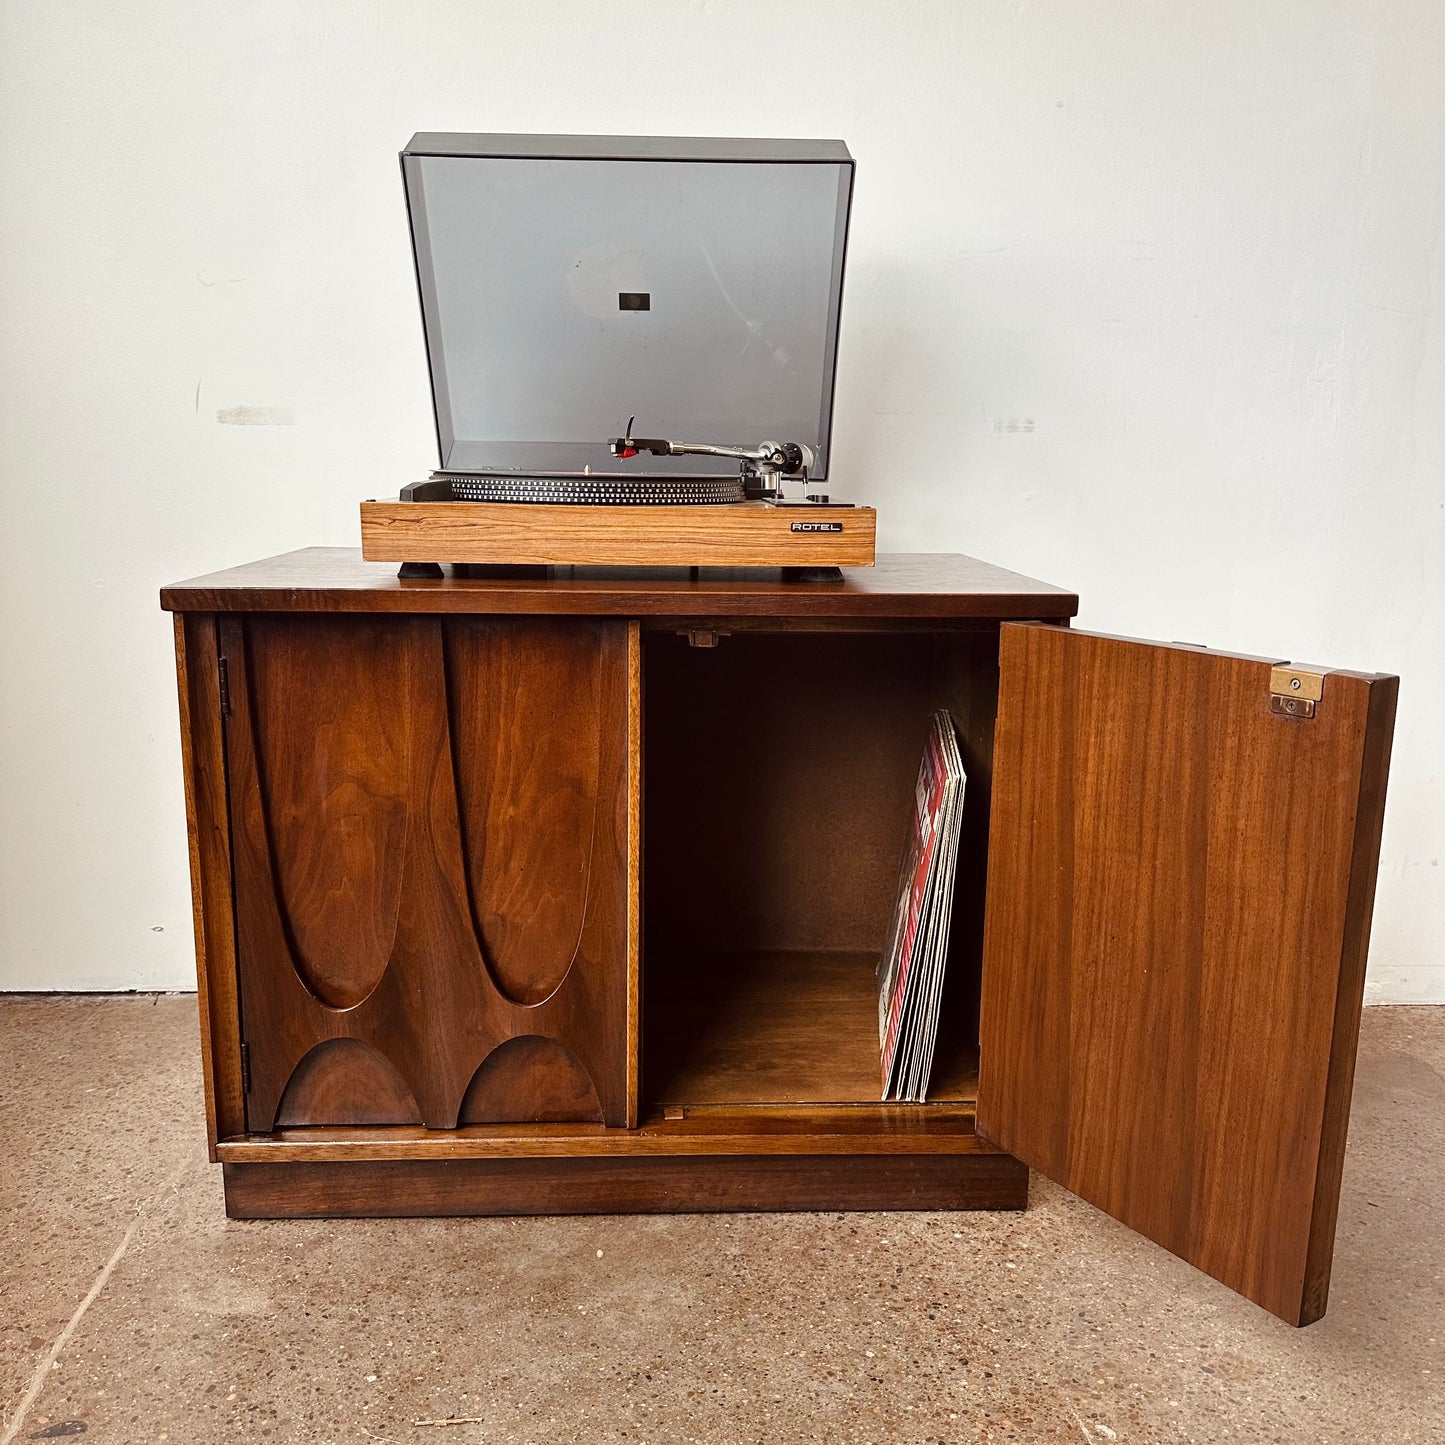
(702, 636)
(224, 677)
(1294, 691)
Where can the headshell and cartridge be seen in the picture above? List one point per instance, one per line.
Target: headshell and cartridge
(761, 467)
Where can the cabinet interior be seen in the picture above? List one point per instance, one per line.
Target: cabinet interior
(779, 769)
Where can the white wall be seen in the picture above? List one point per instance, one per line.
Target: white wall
(1143, 298)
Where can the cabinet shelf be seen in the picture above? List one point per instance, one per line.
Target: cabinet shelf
(774, 1028)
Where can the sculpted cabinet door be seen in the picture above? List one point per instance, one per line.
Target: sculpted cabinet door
(432, 819)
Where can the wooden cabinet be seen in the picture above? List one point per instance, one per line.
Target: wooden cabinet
(563, 892)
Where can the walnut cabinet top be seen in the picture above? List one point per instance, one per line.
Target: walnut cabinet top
(901, 585)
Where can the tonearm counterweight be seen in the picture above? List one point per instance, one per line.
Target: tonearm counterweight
(762, 467)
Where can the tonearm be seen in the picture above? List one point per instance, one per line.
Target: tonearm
(762, 467)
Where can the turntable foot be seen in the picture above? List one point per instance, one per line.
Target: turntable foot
(812, 574)
(414, 571)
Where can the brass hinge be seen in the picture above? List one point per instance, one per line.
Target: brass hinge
(1294, 691)
(224, 673)
(245, 1068)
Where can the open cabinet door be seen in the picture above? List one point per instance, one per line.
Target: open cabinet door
(1181, 870)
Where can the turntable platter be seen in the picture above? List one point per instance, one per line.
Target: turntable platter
(600, 491)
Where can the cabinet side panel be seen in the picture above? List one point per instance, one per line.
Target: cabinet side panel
(203, 764)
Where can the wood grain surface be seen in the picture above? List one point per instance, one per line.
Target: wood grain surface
(780, 772)
(526, 698)
(965, 681)
(777, 1028)
(742, 534)
(634, 871)
(208, 831)
(802, 1129)
(345, 1081)
(781, 769)
(973, 1180)
(1179, 892)
(430, 844)
(529, 1080)
(900, 585)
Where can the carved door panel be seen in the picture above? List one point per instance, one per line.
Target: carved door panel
(431, 822)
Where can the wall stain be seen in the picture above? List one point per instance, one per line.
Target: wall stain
(256, 416)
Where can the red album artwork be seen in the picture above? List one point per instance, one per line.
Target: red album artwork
(910, 970)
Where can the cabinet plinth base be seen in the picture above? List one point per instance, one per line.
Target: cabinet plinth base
(682, 1185)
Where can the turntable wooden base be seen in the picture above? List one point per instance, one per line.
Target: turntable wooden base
(742, 534)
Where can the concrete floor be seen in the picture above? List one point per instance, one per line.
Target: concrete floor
(1054, 1325)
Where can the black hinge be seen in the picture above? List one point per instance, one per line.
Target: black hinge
(225, 676)
(245, 1068)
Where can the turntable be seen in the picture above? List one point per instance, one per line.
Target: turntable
(567, 282)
